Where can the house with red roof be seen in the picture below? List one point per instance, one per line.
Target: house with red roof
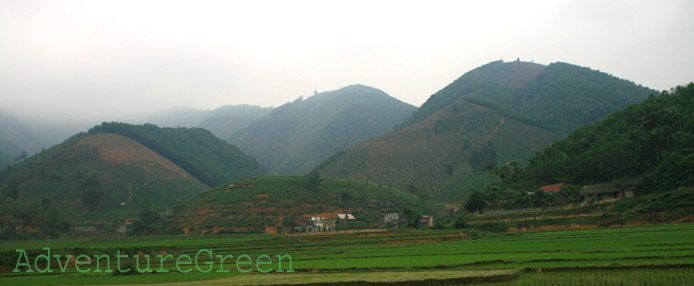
(552, 188)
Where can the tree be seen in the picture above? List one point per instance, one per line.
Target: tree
(412, 217)
(147, 217)
(460, 222)
(476, 202)
(482, 158)
(12, 188)
(92, 195)
(313, 180)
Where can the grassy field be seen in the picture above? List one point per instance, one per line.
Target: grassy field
(644, 255)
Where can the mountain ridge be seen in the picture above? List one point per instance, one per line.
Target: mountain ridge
(298, 135)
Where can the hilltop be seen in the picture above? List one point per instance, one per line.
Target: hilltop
(297, 136)
(560, 97)
(279, 203)
(497, 113)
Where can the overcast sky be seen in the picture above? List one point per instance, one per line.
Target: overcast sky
(109, 60)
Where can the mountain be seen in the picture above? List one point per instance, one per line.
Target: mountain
(91, 174)
(494, 114)
(22, 137)
(279, 203)
(295, 137)
(229, 119)
(647, 149)
(653, 141)
(560, 97)
(222, 121)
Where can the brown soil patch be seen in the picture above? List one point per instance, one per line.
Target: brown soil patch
(687, 219)
(427, 240)
(203, 211)
(261, 196)
(270, 229)
(241, 228)
(5, 269)
(115, 148)
(561, 227)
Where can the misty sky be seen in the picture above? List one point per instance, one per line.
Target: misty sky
(111, 60)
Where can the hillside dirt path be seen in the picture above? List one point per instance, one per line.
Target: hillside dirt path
(496, 129)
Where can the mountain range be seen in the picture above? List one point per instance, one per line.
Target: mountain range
(496, 114)
(492, 115)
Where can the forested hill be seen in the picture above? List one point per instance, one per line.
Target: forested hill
(297, 136)
(652, 142)
(197, 151)
(560, 97)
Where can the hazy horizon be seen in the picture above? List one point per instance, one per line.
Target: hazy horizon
(93, 61)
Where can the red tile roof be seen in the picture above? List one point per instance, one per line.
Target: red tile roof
(552, 188)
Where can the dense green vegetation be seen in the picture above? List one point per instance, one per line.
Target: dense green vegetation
(295, 137)
(206, 157)
(560, 96)
(649, 146)
(29, 216)
(608, 256)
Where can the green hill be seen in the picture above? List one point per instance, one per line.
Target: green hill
(279, 203)
(491, 115)
(646, 149)
(295, 137)
(652, 142)
(559, 97)
(206, 157)
(99, 177)
(109, 172)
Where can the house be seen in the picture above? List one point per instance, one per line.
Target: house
(167, 213)
(345, 217)
(317, 224)
(123, 228)
(426, 221)
(601, 192)
(451, 210)
(391, 220)
(552, 188)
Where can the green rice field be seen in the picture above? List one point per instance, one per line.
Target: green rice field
(642, 255)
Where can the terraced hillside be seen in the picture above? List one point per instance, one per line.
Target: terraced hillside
(278, 203)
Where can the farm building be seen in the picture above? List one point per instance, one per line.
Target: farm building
(317, 224)
(391, 220)
(345, 217)
(552, 188)
(426, 221)
(605, 191)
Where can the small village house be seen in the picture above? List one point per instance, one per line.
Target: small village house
(552, 188)
(391, 220)
(606, 191)
(426, 221)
